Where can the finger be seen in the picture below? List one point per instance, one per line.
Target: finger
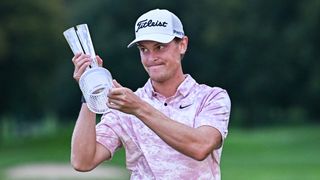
(77, 55)
(116, 92)
(78, 60)
(114, 104)
(81, 62)
(100, 61)
(116, 84)
(111, 105)
(83, 67)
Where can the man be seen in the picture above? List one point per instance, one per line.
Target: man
(172, 128)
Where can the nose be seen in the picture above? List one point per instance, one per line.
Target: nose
(152, 56)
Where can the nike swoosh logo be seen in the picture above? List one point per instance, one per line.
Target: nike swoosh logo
(182, 107)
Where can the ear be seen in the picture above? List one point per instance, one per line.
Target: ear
(184, 45)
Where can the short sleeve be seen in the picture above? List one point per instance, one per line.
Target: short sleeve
(215, 111)
(106, 132)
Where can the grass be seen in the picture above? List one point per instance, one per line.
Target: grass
(258, 154)
(53, 148)
(272, 154)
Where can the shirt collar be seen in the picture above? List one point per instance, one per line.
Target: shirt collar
(184, 88)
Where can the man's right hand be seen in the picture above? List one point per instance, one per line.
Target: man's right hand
(81, 62)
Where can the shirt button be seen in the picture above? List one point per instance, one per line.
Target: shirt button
(165, 104)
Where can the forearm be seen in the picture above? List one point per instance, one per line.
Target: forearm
(193, 142)
(83, 145)
(196, 143)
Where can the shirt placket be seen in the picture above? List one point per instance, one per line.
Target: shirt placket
(163, 104)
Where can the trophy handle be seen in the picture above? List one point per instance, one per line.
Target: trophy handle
(73, 41)
(86, 42)
(79, 40)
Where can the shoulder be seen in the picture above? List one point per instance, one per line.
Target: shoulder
(140, 92)
(210, 91)
(202, 89)
(212, 94)
(145, 91)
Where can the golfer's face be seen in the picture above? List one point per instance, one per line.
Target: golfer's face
(161, 61)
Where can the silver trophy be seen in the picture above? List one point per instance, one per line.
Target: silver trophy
(95, 81)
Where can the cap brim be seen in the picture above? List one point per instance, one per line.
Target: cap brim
(162, 38)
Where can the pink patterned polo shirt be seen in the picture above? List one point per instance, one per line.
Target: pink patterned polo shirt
(147, 155)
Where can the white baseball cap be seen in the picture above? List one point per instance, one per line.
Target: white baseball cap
(158, 25)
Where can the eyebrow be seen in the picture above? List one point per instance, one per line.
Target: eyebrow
(156, 44)
(139, 45)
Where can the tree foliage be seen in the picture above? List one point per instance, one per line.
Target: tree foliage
(263, 52)
(31, 54)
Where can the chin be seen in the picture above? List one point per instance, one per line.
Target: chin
(158, 77)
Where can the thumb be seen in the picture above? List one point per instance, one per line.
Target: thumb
(116, 84)
(99, 61)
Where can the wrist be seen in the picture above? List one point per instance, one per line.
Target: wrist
(143, 111)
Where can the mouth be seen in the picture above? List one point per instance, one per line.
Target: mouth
(155, 66)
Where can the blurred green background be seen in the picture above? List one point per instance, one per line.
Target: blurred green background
(264, 53)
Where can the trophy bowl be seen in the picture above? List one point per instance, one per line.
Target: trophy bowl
(95, 84)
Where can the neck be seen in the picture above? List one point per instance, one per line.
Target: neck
(169, 87)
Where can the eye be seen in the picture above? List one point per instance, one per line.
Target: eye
(161, 46)
(142, 49)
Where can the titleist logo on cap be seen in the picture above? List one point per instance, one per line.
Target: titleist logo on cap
(149, 23)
